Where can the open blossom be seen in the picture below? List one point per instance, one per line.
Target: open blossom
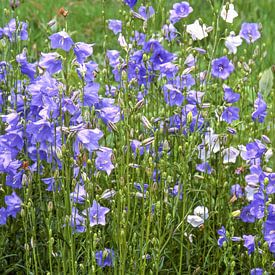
(179, 11)
(96, 214)
(260, 109)
(104, 257)
(250, 32)
(61, 40)
(200, 215)
(228, 13)
(232, 42)
(115, 26)
(197, 31)
(222, 67)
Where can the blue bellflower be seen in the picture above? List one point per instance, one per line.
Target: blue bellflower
(115, 26)
(179, 11)
(61, 40)
(130, 3)
(222, 67)
(250, 32)
(260, 109)
(104, 257)
(96, 214)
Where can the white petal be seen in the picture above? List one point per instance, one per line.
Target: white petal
(230, 14)
(194, 220)
(202, 212)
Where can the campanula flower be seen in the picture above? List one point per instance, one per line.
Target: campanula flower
(172, 95)
(249, 243)
(250, 32)
(229, 95)
(3, 215)
(51, 62)
(90, 97)
(104, 257)
(230, 114)
(179, 11)
(52, 185)
(145, 12)
(228, 13)
(246, 215)
(256, 271)
(204, 168)
(96, 214)
(115, 26)
(13, 203)
(222, 238)
(130, 3)
(77, 222)
(260, 109)
(103, 161)
(88, 138)
(236, 190)
(222, 67)
(200, 215)
(232, 42)
(169, 32)
(82, 51)
(197, 31)
(79, 195)
(230, 155)
(61, 40)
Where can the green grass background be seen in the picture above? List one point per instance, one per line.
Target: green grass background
(85, 21)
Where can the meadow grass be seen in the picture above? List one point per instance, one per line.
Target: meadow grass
(99, 158)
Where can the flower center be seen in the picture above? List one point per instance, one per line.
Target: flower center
(220, 67)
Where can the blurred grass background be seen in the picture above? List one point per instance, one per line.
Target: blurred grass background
(85, 20)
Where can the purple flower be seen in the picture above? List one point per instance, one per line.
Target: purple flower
(222, 238)
(3, 216)
(230, 114)
(249, 243)
(145, 12)
(61, 40)
(40, 131)
(96, 214)
(160, 56)
(88, 138)
(130, 3)
(79, 195)
(179, 11)
(229, 95)
(169, 31)
(105, 257)
(115, 26)
(246, 215)
(51, 62)
(236, 190)
(222, 67)
(82, 51)
(90, 96)
(204, 168)
(103, 161)
(187, 81)
(51, 184)
(194, 97)
(23, 31)
(172, 95)
(177, 191)
(256, 271)
(13, 203)
(77, 221)
(250, 32)
(260, 109)
(110, 114)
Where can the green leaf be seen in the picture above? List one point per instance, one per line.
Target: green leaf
(266, 82)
